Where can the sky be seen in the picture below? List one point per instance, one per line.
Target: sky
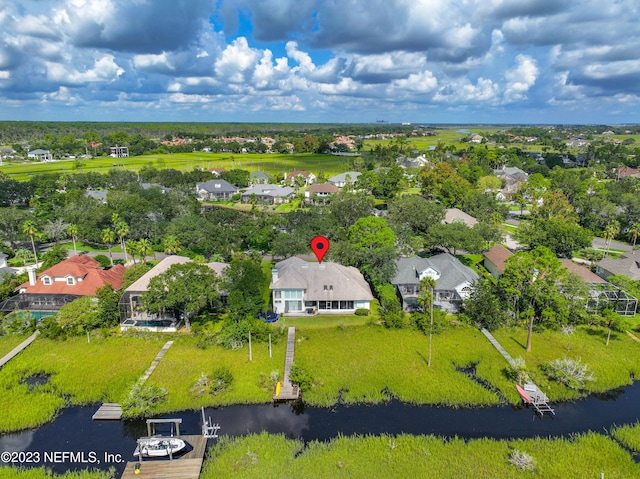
(344, 61)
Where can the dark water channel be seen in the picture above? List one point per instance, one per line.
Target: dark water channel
(107, 444)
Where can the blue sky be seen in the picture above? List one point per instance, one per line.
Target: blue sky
(433, 61)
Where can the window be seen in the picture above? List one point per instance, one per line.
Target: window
(46, 280)
(70, 281)
(277, 294)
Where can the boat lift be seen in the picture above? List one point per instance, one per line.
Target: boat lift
(532, 396)
(209, 430)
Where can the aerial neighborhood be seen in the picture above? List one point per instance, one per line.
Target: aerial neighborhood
(471, 261)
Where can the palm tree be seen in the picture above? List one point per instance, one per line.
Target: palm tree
(610, 232)
(109, 236)
(122, 230)
(144, 248)
(635, 231)
(134, 249)
(29, 227)
(171, 244)
(425, 298)
(72, 230)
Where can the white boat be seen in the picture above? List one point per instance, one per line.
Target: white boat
(159, 446)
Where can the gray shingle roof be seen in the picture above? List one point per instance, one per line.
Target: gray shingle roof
(627, 265)
(342, 177)
(217, 186)
(452, 272)
(347, 282)
(269, 190)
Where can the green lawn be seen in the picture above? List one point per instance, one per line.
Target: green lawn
(80, 246)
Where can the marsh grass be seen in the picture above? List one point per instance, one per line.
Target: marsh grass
(628, 435)
(183, 365)
(42, 473)
(79, 373)
(370, 364)
(7, 343)
(267, 456)
(612, 365)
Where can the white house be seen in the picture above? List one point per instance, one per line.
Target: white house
(119, 152)
(300, 288)
(40, 155)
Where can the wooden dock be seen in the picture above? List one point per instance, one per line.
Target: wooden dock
(531, 394)
(156, 361)
(15, 351)
(187, 466)
(113, 411)
(288, 390)
(109, 411)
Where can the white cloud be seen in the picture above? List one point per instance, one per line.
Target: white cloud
(237, 61)
(520, 79)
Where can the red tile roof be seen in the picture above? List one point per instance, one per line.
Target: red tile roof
(87, 273)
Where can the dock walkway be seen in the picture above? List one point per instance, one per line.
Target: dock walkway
(113, 411)
(498, 346)
(531, 394)
(288, 390)
(187, 466)
(15, 351)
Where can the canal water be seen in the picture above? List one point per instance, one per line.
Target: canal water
(73, 441)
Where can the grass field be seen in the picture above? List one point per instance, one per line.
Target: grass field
(612, 365)
(351, 359)
(80, 373)
(267, 456)
(269, 163)
(43, 473)
(7, 343)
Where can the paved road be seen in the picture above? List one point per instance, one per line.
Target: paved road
(599, 243)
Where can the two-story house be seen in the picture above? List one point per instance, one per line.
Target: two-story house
(300, 288)
(46, 293)
(454, 281)
(215, 189)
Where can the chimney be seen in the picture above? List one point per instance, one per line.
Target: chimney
(32, 276)
(274, 275)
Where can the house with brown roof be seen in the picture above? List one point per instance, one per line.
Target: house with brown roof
(321, 190)
(627, 172)
(455, 215)
(46, 293)
(301, 288)
(495, 259)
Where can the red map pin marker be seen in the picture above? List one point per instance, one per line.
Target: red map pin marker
(320, 246)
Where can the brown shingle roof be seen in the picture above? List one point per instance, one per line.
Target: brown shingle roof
(498, 255)
(323, 188)
(585, 273)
